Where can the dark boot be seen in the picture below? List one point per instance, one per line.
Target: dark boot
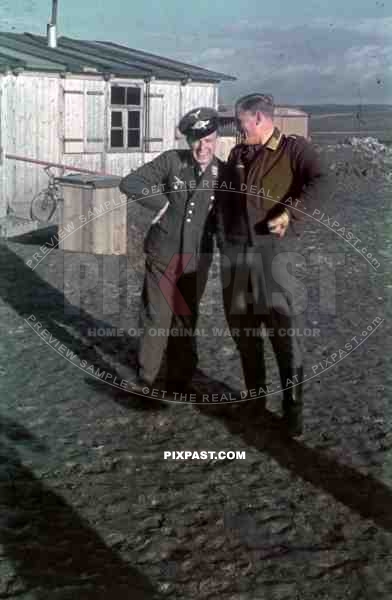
(293, 402)
(140, 387)
(254, 370)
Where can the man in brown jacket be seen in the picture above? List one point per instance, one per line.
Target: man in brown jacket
(270, 180)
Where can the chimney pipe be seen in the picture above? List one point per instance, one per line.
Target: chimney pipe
(54, 12)
(52, 26)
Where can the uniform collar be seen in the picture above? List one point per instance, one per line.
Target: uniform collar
(213, 168)
(273, 141)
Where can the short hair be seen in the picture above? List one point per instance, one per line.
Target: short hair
(253, 103)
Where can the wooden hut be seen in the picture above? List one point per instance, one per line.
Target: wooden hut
(96, 105)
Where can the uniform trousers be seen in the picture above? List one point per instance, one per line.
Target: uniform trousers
(259, 289)
(170, 304)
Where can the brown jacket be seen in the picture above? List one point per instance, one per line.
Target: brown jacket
(286, 173)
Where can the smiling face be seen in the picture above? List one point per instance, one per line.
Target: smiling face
(203, 150)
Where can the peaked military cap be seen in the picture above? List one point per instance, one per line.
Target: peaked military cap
(199, 122)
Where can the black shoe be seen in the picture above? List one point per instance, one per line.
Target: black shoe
(140, 387)
(137, 395)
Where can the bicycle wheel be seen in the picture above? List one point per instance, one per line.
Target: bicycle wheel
(43, 206)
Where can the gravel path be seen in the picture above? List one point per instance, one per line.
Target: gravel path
(89, 508)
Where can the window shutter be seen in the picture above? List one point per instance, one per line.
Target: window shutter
(74, 126)
(95, 127)
(155, 125)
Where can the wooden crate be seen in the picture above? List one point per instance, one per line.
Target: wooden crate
(95, 215)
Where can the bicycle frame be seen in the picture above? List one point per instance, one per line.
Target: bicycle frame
(51, 194)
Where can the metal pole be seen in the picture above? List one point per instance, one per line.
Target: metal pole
(51, 29)
(45, 163)
(54, 12)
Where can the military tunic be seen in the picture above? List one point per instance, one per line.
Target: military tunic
(179, 248)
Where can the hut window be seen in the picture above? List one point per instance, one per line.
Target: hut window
(126, 117)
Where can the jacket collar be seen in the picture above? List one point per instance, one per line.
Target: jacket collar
(273, 141)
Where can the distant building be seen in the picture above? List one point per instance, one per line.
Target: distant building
(95, 105)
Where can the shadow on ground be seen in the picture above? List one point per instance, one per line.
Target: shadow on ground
(53, 552)
(125, 398)
(361, 493)
(38, 237)
(28, 294)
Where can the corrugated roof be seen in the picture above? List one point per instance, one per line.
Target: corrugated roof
(31, 52)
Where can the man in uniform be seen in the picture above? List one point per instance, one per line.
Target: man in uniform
(179, 247)
(271, 180)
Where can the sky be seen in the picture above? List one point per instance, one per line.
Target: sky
(304, 52)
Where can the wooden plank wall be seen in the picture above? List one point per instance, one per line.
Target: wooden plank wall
(34, 125)
(3, 204)
(31, 109)
(197, 94)
(92, 226)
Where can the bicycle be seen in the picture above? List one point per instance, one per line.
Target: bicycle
(44, 204)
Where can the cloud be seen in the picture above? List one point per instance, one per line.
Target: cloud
(371, 26)
(320, 61)
(217, 53)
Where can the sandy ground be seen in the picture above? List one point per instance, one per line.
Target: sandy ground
(89, 508)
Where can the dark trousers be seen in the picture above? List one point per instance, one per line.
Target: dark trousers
(168, 347)
(258, 289)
